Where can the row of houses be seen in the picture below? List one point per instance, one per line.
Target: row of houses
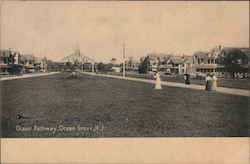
(203, 62)
(12, 62)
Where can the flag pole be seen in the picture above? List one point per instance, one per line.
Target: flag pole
(123, 59)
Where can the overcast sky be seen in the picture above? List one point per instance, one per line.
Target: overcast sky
(55, 29)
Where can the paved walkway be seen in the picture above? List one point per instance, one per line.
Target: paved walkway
(27, 76)
(233, 91)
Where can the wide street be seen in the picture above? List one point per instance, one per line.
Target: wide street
(94, 106)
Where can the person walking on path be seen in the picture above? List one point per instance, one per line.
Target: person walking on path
(214, 83)
(186, 78)
(208, 82)
(158, 81)
(73, 74)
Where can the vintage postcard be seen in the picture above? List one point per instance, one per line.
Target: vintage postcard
(140, 71)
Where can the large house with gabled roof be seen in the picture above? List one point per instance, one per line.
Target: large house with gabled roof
(13, 62)
(169, 63)
(208, 62)
(205, 62)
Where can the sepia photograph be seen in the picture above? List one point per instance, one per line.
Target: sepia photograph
(124, 81)
(124, 69)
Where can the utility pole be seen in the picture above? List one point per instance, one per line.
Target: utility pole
(93, 66)
(123, 45)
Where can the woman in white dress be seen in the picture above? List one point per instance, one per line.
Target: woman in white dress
(158, 81)
(214, 83)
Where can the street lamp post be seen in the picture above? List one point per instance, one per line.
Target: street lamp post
(93, 67)
(123, 59)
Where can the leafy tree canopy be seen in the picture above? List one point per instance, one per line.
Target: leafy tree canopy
(234, 60)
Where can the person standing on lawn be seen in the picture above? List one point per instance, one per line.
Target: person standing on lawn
(158, 81)
(208, 82)
(214, 83)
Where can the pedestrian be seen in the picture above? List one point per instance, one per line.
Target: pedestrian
(186, 78)
(208, 82)
(214, 83)
(73, 74)
(158, 80)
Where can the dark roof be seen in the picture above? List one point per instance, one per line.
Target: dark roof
(27, 57)
(186, 59)
(163, 57)
(176, 59)
(6, 53)
(152, 56)
(201, 54)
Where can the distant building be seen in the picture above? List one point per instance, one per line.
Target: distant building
(176, 64)
(153, 62)
(28, 61)
(12, 62)
(77, 57)
(5, 60)
(188, 65)
(163, 62)
(208, 62)
(170, 64)
(9, 62)
(116, 69)
(132, 66)
(41, 64)
(79, 61)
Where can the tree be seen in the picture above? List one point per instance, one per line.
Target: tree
(234, 60)
(101, 67)
(51, 64)
(144, 66)
(130, 64)
(108, 67)
(104, 67)
(56, 65)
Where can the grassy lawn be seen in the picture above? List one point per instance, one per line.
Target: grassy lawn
(222, 82)
(119, 108)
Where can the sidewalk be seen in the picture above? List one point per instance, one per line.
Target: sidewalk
(233, 91)
(27, 76)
